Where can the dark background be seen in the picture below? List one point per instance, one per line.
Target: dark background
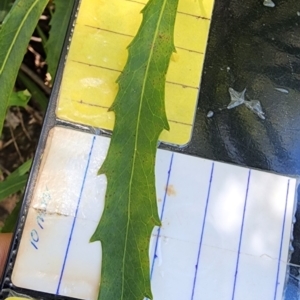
(255, 47)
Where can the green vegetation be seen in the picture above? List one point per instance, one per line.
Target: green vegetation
(18, 21)
(130, 211)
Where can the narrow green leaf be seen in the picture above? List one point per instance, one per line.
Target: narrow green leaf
(23, 169)
(59, 25)
(42, 36)
(130, 211)
(15, 33)
(15, 181)
(36, 93)
(12, 185)
(19, 98)
(11, 221)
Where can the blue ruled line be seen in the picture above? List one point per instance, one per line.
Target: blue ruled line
(161, 215)
(241, 236)
(202, 230)
(74, 221)
(282, 233)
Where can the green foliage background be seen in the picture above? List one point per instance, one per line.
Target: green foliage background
(18, 20)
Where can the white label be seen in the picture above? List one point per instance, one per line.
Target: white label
(225, 229)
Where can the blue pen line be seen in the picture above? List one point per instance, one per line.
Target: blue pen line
(202, 230)
(161, 215)
(282, 233)
(241, 236)
(74, 221)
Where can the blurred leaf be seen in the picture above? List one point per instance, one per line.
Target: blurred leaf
(5, 6)
(23, 169)
(12, 185)
(59, 25)
(15, 34)
(42, 35)
(12, 219)
(19, 98)
(36, 93)
(15, 181)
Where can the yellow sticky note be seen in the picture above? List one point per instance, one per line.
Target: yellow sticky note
(98, 54)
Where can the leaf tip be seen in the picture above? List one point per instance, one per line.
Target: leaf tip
(166, 124)
(101, 171)
(92, 239)
(95, 237)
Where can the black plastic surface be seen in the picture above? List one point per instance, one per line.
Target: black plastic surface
(258, 48)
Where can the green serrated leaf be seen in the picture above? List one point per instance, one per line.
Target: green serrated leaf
(130, 211)
(19, 98)
(15, 33)
(59, 25)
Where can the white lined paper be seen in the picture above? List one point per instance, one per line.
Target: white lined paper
(225, 229)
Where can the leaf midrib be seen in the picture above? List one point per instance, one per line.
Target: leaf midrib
(136, 139)
(15, 37)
